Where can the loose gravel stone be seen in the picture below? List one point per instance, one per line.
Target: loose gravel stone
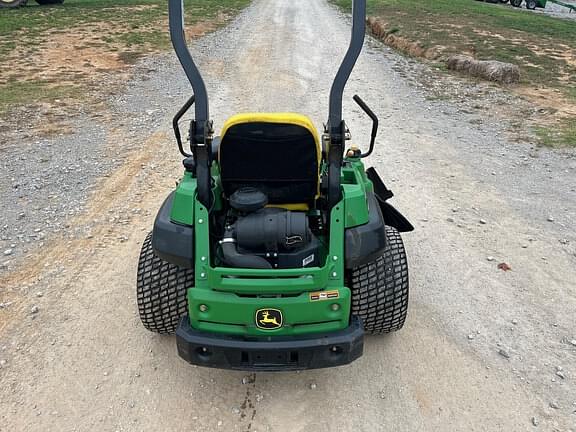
(248, 380)
(312, 386)
(535, 421)
(34, 309)
(504, 353)
(554, 405)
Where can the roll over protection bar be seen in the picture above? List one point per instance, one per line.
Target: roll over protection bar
(336, 127)
(201, 127)
(178, 37)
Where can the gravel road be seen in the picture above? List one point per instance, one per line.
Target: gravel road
(483, 349)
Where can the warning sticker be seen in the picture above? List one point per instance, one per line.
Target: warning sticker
(324, 295)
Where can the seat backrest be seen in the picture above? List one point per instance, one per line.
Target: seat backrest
(278, 153)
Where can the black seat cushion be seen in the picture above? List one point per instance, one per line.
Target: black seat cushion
(279, 159)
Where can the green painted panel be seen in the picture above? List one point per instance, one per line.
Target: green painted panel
(183, 206)
(230, 313)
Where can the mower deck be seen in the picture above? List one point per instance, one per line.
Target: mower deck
(271, 353)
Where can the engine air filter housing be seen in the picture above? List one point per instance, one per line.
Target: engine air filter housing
(248, 200)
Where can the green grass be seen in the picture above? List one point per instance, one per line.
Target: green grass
(563, 135)
(540, 45)
(129, 27)
(490, 31)
(35, 91)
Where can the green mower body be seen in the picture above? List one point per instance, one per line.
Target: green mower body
(278, 250)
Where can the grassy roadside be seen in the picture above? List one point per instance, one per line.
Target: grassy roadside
(49, 52)
(543, 47)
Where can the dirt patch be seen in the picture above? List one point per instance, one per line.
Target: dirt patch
(91, 61)
(551, 102)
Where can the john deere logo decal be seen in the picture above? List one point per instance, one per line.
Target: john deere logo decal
(268, 319)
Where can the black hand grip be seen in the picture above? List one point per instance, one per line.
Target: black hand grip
(374, 118)
(176, 128)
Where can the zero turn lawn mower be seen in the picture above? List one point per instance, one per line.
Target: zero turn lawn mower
(277, 250)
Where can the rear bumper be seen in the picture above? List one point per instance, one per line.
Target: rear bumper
(272, 353)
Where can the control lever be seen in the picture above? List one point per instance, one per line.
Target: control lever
(176, 128)
(370, 114)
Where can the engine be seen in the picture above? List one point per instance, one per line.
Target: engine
(259, 237)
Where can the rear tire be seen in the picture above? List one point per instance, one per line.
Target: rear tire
(380, 288)
(161, 290)
(531, 4)
(516, 3)
(12, 3)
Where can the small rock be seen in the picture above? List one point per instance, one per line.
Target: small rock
(236, 410)
(482, 222)
(550, 219)
(490, 258)
(312, 386)
(449, 219)
(248, 379)
(535, 421)
(561, 374)
(470, 336)
(573, 342)
(515, 321)
(39, 294)
(504, 353)
(259, 398)
(34, 309)
(8, 252)
(554, 405)
(219, 423)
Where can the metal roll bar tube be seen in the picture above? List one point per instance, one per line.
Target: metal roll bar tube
(336, 128)
(201, 126)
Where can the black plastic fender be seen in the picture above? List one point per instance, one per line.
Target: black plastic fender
(172, 242)
(392, 217)
(364, 243)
